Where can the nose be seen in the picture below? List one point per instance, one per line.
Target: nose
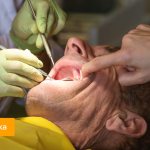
(76, 45)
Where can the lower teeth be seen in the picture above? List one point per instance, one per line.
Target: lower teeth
(67, 79)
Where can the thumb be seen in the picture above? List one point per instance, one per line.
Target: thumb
(131, 78)
(39, 42)
(103, 62)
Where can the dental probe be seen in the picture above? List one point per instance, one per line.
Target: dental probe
(45, 74)
(47, 45)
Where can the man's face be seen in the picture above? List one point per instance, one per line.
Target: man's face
(75, 104)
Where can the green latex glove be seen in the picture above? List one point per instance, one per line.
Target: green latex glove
(50, 19)
(18, 71)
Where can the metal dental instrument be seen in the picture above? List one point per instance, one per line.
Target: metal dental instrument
(45, 74)
(47, 46)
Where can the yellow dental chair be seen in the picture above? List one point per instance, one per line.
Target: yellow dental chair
(35, 133)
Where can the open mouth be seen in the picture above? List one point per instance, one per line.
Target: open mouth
(67, 69)
(68, 73)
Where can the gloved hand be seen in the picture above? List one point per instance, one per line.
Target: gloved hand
(50, 19)
(18, 71)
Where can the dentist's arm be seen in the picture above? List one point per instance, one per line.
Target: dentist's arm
(133, 57)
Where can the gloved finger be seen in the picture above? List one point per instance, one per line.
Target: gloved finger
(16, 80)
(39, 42)
(32, 39)
(10, 90)
(25, 32)
(23, 69)
(61, 17)
(102, 62)
(41, 15)
(34, 28)
(24, 56)
(60, 25)
(51, 23)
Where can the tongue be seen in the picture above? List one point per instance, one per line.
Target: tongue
(67, 72)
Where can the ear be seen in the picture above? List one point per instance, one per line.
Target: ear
(130, 124)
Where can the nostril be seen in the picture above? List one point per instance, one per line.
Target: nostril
(77, 49)
(75, 45)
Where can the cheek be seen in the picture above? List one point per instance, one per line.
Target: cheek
(34, 107)
(45, 94)
(42, 96)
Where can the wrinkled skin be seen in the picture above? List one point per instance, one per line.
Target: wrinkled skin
(133, 56)
(79, 107)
